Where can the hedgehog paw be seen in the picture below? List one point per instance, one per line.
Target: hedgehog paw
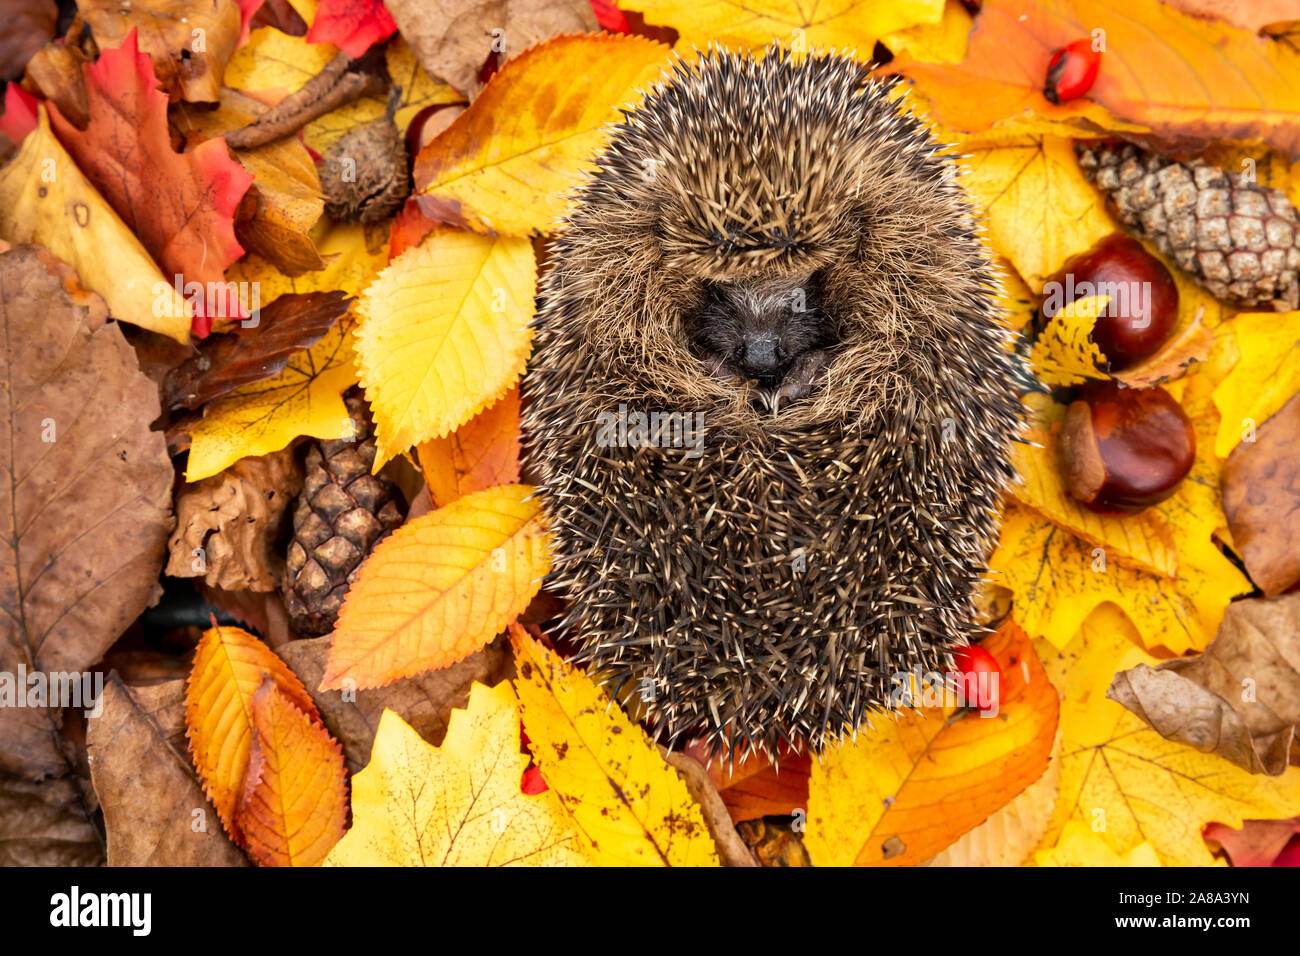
(806, 371)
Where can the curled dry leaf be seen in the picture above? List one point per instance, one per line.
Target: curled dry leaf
(1261, 498)
(54, 71)
(227, 526)
(154, 808)
(85, 505)
(1175, 357)
(1240, 699)
(28, 25)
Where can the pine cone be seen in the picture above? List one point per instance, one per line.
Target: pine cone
(1240, 240)
(342, 513)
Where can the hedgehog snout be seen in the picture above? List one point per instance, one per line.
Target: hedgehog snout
(762, 354)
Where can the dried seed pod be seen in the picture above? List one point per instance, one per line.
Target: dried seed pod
(365, 175)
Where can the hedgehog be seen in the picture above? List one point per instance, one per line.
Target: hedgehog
(770, 405)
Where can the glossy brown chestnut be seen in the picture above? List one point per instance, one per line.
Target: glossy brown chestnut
(1124, 449)
(1143, 307)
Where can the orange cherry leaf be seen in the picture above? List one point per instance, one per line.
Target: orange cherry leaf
(480, 454)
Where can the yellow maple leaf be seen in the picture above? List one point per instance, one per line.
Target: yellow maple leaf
(444, 333)
(830, 24)
(440, 587)
(275, 61)
(45, 199)
(1265, 377)
(1080, 846)
(942, 42)
(507, 164)
(633, 808)
(1122, 780)
(909, 786)
(1064, 353)
(262, 417)
(458, 804)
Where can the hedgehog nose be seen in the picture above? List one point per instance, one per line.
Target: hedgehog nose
(760, 353)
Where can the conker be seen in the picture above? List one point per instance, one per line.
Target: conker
(1143, 306)
(1123, 449)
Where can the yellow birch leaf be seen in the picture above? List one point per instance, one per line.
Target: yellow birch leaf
(1064, 354)
(45, 199)
(262, 417)
(353, 256)
(1123, 780)
(295, 802)
(1039, 209)
(633, 808)
(1081, 846)
(910, 786)
(444, 333)
(275, 61)
(942, 42)
(507, 164)
(1143, 540)
(229, 666)
(439, 588)
(828, 24)
(1265, 377)
(458, 804)
(1058, 580)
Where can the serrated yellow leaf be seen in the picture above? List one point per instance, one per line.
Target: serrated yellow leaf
(632, 806)
(44, 198)
(1080, 846)
(458, 804)
(1123, 780)
(229, 667)
(830, 24)
(1064, 354)
(440, 587)
(1058, 580)
(353, 256)
(444, 333)
(508, 162)
(1265, 377)
(262, 417)
(909, 786)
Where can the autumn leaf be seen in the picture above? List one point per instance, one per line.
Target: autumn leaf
(480, 454)
(69, 217)
(180, 205)
(832, 24)
(1064, 353)
(1264, 378)
(1083, 846)
(353, 254)
(229, 666)
(275, 62)
(444, 333)
(506, 164)
(1188, 80)
(295, 801)
(632, 807)
(1123, 780)
(908, 787)
(257, 419)
(439, 588)
(942, 42)
(354, 26)
(458, 804)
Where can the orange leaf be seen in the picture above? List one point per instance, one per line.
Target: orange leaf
(1188, 80)
(229, 666)
(753, 787)
(905, 789)
(295, 800)
(439, 588)
(480, 454)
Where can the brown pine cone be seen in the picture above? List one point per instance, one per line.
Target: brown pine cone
(342, 513)
(1240, 240)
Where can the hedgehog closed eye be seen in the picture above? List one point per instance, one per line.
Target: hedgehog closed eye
(790, 322)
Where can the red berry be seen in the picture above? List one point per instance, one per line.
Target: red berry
(981, 677)
(532, 783)
(1072, 71)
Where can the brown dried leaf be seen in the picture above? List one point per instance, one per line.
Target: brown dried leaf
(293, 322)
(260, 611)
(25, 26)
(227, 525)
(43, 824)
(1240, 699)
(85, 503)
(451, 42)
(152, 799)
(1261, 498)
(1191, 345)
(424, 702)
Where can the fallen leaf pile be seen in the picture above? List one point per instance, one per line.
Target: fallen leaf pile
(183, 319)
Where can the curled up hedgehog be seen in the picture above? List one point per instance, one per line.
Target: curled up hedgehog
(770, 404)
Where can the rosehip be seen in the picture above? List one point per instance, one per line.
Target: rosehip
(981, 676)
(532, 783)
(1123, 449)
(1071, 71)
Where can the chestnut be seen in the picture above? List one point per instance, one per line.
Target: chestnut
(1124, 449)
(1143, 306)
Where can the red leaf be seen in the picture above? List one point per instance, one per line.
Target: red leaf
(247, 10)
(181, 206)
(410, 225)
(609, 16)
(354, 26)
(20, 113)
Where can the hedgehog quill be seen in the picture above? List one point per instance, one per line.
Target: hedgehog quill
(772, 246)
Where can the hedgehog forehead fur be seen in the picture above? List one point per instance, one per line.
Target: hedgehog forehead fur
(883, 481)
